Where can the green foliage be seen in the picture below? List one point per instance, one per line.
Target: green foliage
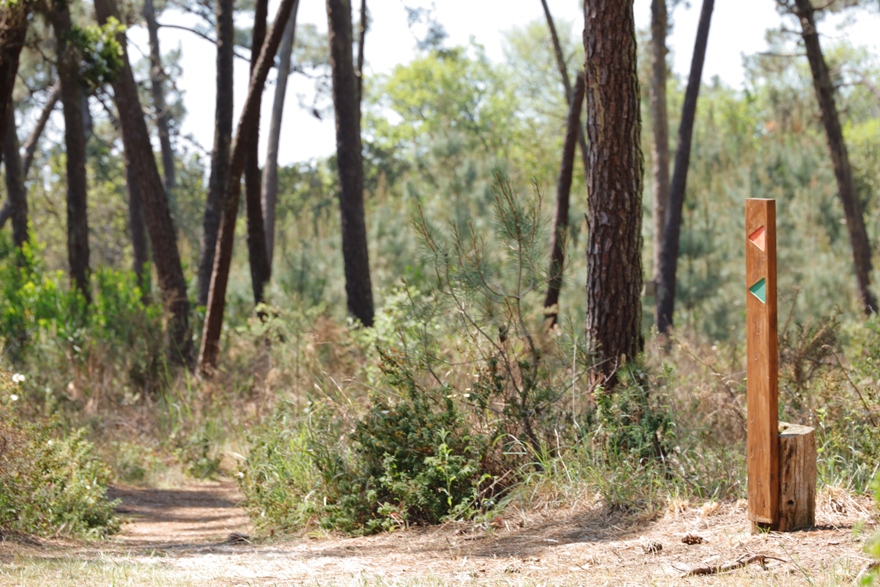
(101, 52)
(49, 483)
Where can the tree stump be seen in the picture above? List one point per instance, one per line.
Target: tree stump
(796, 508)
(797, 477)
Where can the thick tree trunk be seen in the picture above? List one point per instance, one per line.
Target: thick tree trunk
(240, 149)
(270, 169)
(660, 128)
(138, 231)
(256, 233)
(362, 37)
(563, 192)
(15, 183)
(157, 91)
(219, 180)
(349, 163)
(13, 30)
(614, 261)
(75, 148)
(566, 82)
(30, 145)
(145, 174)
(852, 207)
(672, 230)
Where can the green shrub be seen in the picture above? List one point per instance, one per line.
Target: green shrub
(50, 484)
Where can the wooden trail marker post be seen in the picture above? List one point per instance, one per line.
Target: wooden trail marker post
(781, 458)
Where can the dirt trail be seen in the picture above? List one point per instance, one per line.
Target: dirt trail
(180, 537)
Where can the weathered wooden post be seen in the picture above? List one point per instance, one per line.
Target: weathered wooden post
(781, 459)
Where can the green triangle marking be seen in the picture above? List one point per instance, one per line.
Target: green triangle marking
(759, 290)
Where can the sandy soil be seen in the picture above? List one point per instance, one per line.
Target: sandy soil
(182, 537)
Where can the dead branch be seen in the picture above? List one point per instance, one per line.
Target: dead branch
(739, 563)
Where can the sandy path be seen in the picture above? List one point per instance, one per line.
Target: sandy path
(179, 537)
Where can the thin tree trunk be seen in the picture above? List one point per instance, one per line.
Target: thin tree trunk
(566, 82)
(563, 192)
(270, 169)
(15, 183)
(660, 129)
(349, 163)
(852, 207)
(75, 148)
(240, 149)
(256, 233)
(13, 30)
(138, 231)
(672, 230)
(614, 261)
(219, 180)
(30, 145)
(145, 174)
(157, 91)
(362, 37)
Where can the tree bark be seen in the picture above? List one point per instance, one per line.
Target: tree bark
(144, 173)
(75, 148)
(270, 169)
(672, 230)
(15, 183)
(660, 128)
(137, 230)
(30, 145)
(614, 262)
(349, 163)
(852, 206)
(256, 233)
(219, 180)
(13, 30)
(157, 91)
(240, 149)
(566, 82)
(362, 37)
(563, 192)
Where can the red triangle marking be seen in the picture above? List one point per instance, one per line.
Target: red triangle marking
(759, 238)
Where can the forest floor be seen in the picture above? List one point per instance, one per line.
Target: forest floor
(197, 535)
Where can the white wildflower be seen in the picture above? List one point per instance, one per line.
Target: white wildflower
(18, 378)
(13, 398)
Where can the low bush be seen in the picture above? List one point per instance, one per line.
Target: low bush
(49, 483)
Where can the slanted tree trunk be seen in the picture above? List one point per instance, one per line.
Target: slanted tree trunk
(852, 207)
(614, 261)
(563, 191)
(13, 30)
(75, 148)
(30, 145)
(349, 159)
(240, 149)
(362, 37)
(256, 233)
(270, 169)
(15, 183)
(145, 174)
(566, 82)
(672, 230)
(660, 129)
(137, 230)
(157, 91)
(219, 180)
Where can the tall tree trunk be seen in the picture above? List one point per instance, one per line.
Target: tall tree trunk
(138, 231)
(349, 163)
(157, 91)
(563, 192)
(145, 173)
(240, 149)
(362, 38)
(566, 82)
(852, 207)
(13, 30)
(30, 145)
(270, 169)
(15, 183)
(614, 261)
(75, 148)
(660, 128)
(219, 180)
(256, 233)
(672, 230)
